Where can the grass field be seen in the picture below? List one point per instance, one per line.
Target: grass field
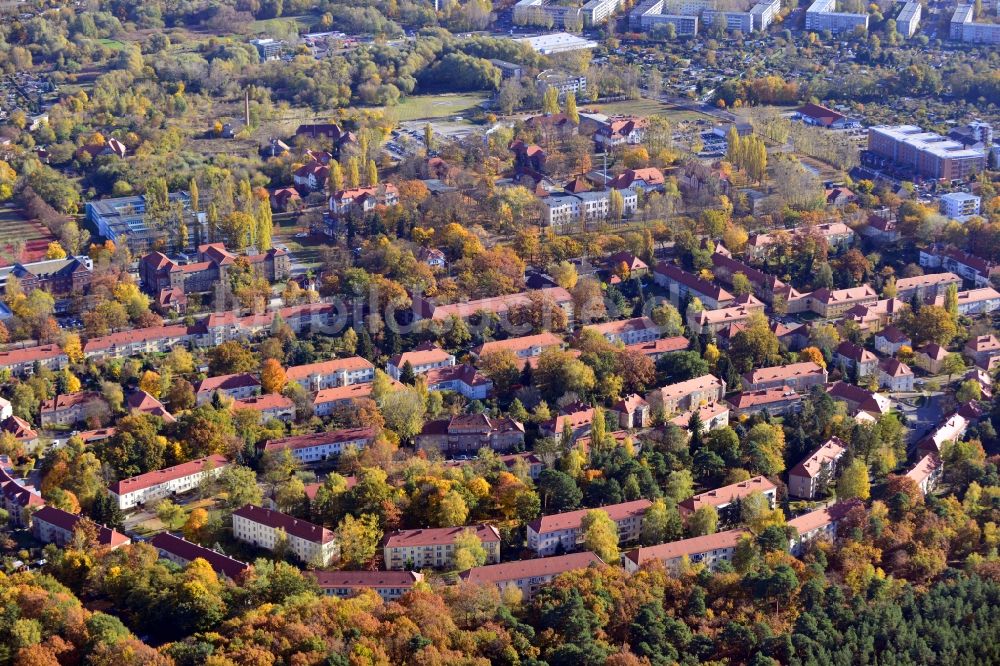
(274, 26)
(420, 107)
(112, 44)
(646, 107)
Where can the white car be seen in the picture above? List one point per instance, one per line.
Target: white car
(302, 234)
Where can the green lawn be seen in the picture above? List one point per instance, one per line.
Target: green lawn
(645, 107)
(420, 107)
(304, 22)
(112, 43)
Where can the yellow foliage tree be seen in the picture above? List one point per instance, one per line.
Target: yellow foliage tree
(150, 383)
(272, 377)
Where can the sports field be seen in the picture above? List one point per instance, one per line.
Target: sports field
(420, 107)
(15, 230)
(645, 107)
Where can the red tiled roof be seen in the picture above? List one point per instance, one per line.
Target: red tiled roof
(439, 536)
(727, 494)
(669, 551)
(622, 326)
(123, 338)
(545, 339)
(319, 439)
(783, 372)
(822, 517)
(820, 114)
(419, 357)
(537, 568)
(29, 354)
(296, 527)
(769, 396)
(68, 401)
(661, 346)
(693, 282)
(226, 383)
(831, 450)
(151, 479)
(350, 364)
(924, 468)
(182, 548)
(67, 521)
(363, 580)
(265, 402)
(572, 519)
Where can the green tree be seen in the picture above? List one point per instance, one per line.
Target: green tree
(359, 539)
(468, 551)
(661, 523)
(571, 111)
(854, 482)
(705, 520)
(550, 100)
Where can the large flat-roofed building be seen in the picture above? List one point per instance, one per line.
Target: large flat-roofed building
(262, 527)
(435, 548)
(596, 12)
(926, 153)
(960, 205)
(821, 15)
(963, 27)
(125, 219)
(688, 15)
(529, 575)
(908, 19)
(560, 42)
(564, 530)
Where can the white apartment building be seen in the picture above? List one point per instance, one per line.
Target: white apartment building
(545, 534)
(627, 331)
(261, 527)
(819, 524)
(959, 205)
(320, 446)
(336, 372)
(168, 482)
(560, 210)
(434, 548)
(804, 478)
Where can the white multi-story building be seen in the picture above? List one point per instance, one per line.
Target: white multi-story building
(909, 18)
(422, 359)
(238, 387)
(965, 29)
(390, 585)
(819, 524)
(560, 210)
(627, 331)
(821, 16)
(168, 482)
(960, 205)
(548, 533)
(262, 527)
(320, 446)
(804, 478)
(315, 377)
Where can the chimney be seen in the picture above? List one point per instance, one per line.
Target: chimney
(246, 107)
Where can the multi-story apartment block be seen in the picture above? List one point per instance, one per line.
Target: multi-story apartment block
(576, 418)
(710, 322)
(21, 362)
(960, 205)
(152, 340)
(627, 331)
(67, 409)
(561, 211)
(422, 359)
(799, 376)
(925, 153)
(328, 400)
(983, 350)
(62, 278)
(908, 19)
(964, 28)
(927, 472)
(927, 286)
(837, 235)
(687, 394)
(269, 407)
(406, 550)
(526, 347)
(895, 375)
(970, 267)
(52, 525)
(336, 372)
(238, 387)
(17, 498)
(467, 433)
(548, 534)
(683, 285)
(833, 303)
(181, 551)
(320, 446)
(389, 585)
(890, 340)
(364, 199)
(821, 16)
(725, 500)
(463, 379)
(596, 12)
(821, 465)
(265, 528)
(529, 575)
(710, 550)
(854, 356)
(168, 482)
(820, 524)
(776, 401)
